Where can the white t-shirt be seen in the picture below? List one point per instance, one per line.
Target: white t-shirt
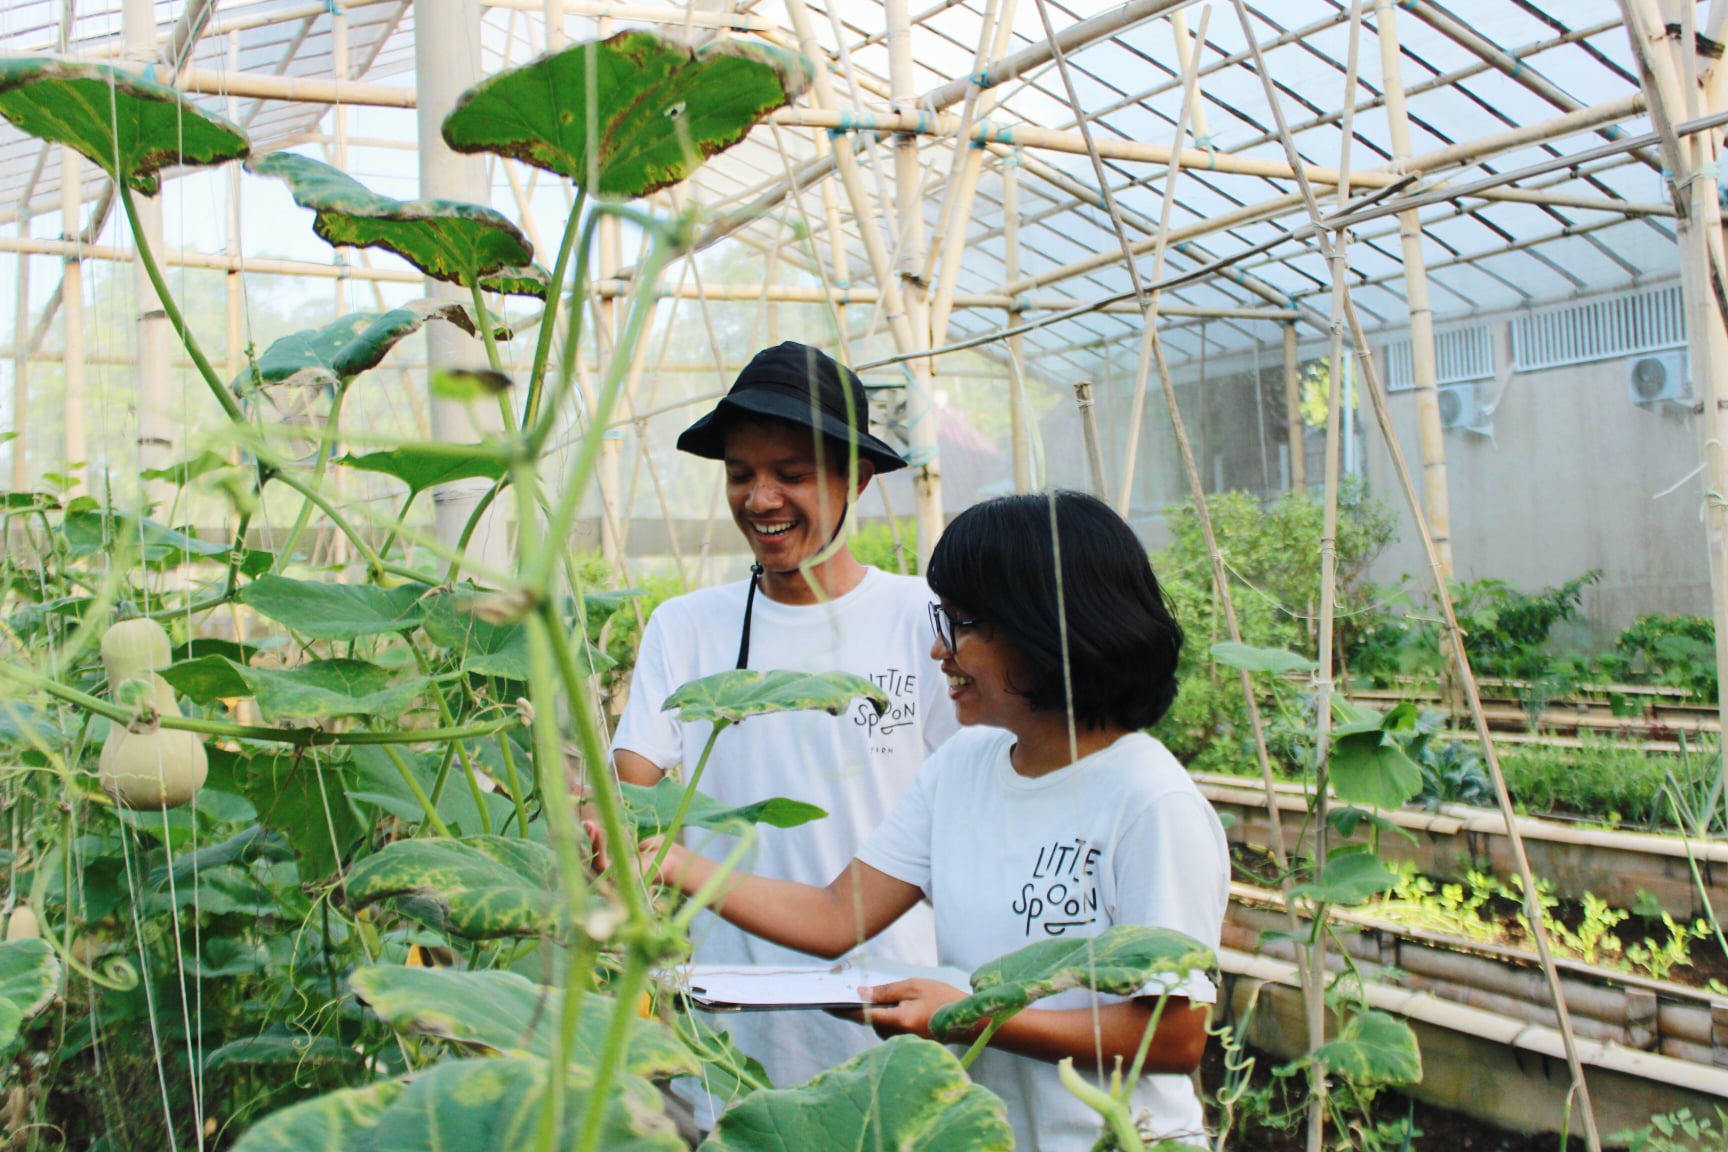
(854, 766)
(1119, 837)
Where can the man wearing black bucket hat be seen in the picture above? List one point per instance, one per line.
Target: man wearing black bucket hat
(793, 434)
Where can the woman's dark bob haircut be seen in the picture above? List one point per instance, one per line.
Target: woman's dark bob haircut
(997, 564)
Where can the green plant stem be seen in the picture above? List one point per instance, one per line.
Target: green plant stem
(341, 522)
(483, 321)
(1697, 879)
(625, 991)
(300, 737)
(617, 370)
(547, 411)
(509, 758)
(148, 258)
(319, 463)
(670, 832)
(982, 1042)
(710, 889)
(1145, 1048)
(396, 528)
(460, 554)
(426, 805)
(549, 315)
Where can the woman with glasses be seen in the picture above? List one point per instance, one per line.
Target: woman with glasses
(1052, 814)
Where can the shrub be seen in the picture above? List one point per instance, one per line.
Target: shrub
(1679, 651)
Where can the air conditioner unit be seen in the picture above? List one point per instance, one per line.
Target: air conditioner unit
(1460, 407)
(1658, 377)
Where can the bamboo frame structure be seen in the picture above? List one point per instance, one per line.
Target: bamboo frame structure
(896, 259)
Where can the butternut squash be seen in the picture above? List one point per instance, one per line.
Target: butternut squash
(162, 767)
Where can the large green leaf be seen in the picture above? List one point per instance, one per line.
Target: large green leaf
(378, 780)
(528, 280)
(1367, 765)
(454, 620)
(29, 973)
(909, 1095)
(348, 346)
(322, 611)
(280, 1052)
(652, 809)
(1120, 961)
(303, 795)
(506, 1013)
(662, 108)
(327, 688)
(88, 533)
(1351, 877)
(444, 239)
(488, 1105)
(1277, 661)
(128, 126)
(478, 887)
(735, 694)
(425, 467)
(1373, 1048)
(207, 679)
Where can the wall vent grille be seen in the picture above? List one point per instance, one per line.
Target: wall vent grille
(1621, 325)
(1461, 354)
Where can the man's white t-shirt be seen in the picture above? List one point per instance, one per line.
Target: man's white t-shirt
(854, 766)
(1119, 837)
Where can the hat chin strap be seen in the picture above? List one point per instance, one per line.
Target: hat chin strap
(756, 571)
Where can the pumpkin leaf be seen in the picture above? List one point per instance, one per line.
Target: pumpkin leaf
(478, 887)
(379, 781)
(447, 240)
(327, 688)
(1367, 765)
(1373, 1048)
(1121, 962)
(1276, 661)
(301, 795)
(322, 611)
(652, 809)
(732, 695)
(347, 347)
(506, 1013)
(662, 108)
(254, 843)
(207, 679)
(454, 621)
(1351, 877)
(908, 1094)
(87, 533)
(280, 1050)
(128, 126)
(487, 1105)
(528, 280)
(424, 466)
(29, 973)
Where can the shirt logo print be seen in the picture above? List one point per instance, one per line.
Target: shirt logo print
(1063, 890)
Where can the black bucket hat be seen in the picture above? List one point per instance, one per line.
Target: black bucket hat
(800, 385)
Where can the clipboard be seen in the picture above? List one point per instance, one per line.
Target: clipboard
(784, 988)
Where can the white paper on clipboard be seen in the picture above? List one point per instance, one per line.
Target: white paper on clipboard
(781, 988)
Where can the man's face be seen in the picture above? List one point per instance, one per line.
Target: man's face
(786, 505)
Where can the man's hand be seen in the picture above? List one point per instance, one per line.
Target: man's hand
(905, 1006)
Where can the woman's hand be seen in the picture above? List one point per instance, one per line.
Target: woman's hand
(905, 1006)
(671, 868)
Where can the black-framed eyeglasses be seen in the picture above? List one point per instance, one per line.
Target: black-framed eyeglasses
(943, 623)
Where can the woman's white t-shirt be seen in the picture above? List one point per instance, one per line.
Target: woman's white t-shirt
(855, 766)
(1119, 837)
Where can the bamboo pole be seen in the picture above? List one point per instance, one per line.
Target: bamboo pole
(1422, 353)
(1089, 437)
(967, 165)
(924, 450)
(1443, 597)
(1698, 232)
(1020, 441)
(1298, 448)
(21, 345)
(155, 432)
(233, 289)
(72, 316)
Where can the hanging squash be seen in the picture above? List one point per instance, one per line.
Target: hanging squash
(161, 767)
